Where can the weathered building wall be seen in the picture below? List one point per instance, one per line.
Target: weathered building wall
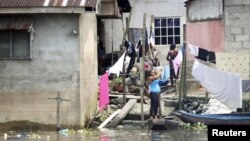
(206, 34)
(158, 8)
(237, 36)
(25, 85)
(237, 26)
(88, 66)
(235, 63)
(205, 9)
(236, 53)
(205, 27)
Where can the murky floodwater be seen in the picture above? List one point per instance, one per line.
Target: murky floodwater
(124, 134)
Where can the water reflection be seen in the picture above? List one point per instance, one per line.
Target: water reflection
(125, 134)
(155, 136)
(104, 137)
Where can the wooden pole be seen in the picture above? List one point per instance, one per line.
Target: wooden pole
(123, 70)
(185, 63)
(128, 19)
(58, 123)
(58, 110)
(124, 84)
(184, 85)
(181, 87)
(206, 94)
(142, 72)
(151, 51)
(112, 45)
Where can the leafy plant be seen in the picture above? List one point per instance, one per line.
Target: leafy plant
(195, 126)
(117, 81)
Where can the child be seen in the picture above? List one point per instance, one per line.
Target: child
(154, 89)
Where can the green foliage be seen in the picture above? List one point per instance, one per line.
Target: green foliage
(87, 131)
(117, 81)
(103, 117)
(196, 126)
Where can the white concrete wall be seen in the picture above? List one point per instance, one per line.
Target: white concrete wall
(25, 85)
(158, 8)
(88, 66)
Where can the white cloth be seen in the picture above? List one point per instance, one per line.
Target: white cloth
(126, 62)
(214, 106)
(177, 61)
(194, 50)
(165, 74)
(118, 66)
(158, 68)
(152, 38)
(225, 87)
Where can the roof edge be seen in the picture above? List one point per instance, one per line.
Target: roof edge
(32, 10)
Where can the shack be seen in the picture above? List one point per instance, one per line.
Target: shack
(49, 47)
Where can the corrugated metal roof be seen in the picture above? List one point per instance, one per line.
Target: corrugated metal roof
(47, 3)
(15, 22)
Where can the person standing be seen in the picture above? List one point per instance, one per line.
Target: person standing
(155, 89)
(170, 57)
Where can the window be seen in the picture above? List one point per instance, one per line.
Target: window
(14, 44)
(167, 31)
(16, 33)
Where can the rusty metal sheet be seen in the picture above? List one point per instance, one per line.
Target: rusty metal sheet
(47, 3)
(90, 3)
(15, 22)
(202, 10)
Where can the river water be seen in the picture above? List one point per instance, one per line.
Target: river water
(122, 134)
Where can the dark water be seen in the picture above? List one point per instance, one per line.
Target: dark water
(124, 134)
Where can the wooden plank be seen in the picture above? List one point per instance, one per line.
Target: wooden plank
(125, 110)
(142, 72)
(116, 92)
(128, 96)
(109, 119)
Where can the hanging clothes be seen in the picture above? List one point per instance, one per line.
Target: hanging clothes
(151, 39)
(178, 60)
(131, 53)
(206, 55)
(118, 66)
(165, 74)
(225, 87)
(202, 54)
(104, 92)
(194, 50)
(140, 45)
(139, 51)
